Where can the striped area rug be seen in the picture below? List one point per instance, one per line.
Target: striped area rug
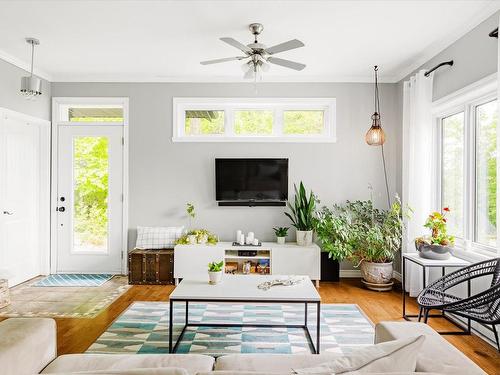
(143, 328)
(67, 279)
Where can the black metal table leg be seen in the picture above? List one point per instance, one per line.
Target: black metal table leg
(318, 327)
(170, 326)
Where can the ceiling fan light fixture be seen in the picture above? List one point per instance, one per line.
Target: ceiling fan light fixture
(31, 86)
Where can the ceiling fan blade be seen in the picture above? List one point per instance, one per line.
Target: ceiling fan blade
(286, 63)
(216, 61)
(291, 44)
(235, 43)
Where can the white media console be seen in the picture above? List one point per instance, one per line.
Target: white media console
(191, 261)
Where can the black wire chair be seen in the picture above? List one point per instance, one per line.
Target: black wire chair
(483, 307)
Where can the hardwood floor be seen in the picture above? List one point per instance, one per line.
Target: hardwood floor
(76, 335)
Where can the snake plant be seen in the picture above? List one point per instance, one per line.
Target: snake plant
(302, 211)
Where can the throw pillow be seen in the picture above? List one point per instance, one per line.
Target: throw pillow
(157, 237)
(391, 356)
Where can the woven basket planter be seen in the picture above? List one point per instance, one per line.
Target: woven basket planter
(4, 293)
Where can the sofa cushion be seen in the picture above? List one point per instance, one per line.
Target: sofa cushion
(235, 372)
(27, 345)
(286, 363)
(436, 355)
(142, 371)
(391, 356)
(193, 363)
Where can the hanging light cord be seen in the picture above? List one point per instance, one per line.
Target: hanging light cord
(377, 109)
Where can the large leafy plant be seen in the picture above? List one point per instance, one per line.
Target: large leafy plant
(357, 231)
(302, 211)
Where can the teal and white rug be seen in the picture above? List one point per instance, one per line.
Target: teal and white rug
(77, 279)
(143, 328)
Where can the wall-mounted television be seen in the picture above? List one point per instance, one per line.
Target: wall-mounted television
(251, 182)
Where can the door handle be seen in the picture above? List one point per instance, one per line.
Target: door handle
(61, 209)
(8, 213)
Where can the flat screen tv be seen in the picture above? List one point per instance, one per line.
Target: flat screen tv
(251, 182)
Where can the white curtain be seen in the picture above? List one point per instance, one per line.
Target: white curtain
(417, 166)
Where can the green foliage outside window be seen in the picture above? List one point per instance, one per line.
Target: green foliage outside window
(303, 122)
(204, 122)
(91, 176)
(254, 122)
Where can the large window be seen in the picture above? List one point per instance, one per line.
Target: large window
(468, 170)
(257, 120)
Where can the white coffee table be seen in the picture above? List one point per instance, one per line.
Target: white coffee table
(243, 289)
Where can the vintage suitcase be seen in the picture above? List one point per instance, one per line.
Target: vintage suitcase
(154, 267)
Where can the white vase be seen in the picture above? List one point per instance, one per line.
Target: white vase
(214, 277)
(192, 239)
(304, 237)
(280, 240)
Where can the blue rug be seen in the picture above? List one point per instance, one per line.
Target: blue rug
(143, 328)
(67, 279)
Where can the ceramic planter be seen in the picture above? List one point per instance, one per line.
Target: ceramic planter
(214, 277)
(377, 275)
(304, 237)
(280, 240)
(435, 252)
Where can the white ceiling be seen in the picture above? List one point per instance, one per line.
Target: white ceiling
(159, 41)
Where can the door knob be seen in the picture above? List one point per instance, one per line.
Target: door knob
(61, 209)
(8, 213)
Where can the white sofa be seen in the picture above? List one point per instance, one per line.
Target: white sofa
(28, 346)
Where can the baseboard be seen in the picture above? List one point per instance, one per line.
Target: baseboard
(350, 273)
(396, 275)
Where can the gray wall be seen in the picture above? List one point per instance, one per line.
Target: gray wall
(10, 83)
(165, 175)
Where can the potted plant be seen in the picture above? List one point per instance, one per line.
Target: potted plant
(281, 233)
(198, 236)
(439, 244)
(302, 214)
(365, 235)
(215, 272)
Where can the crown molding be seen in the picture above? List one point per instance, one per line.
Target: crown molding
(439, 46)
(24, 65)
(127, 78)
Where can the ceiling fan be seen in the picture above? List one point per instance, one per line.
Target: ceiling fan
(257, 55)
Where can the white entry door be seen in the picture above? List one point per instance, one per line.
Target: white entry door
(89, 198)
(20, 244)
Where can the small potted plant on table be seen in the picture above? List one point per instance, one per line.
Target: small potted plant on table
(281, 233)
(215, 272)
(438, 245)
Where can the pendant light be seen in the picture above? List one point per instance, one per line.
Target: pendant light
(375, 135)
(31, 86)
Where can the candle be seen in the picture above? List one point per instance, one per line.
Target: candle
(251, 236)
(256, 241)
(238, 235)
(242, 239)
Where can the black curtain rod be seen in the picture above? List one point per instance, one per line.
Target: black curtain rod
(450, 63)
(494, 33)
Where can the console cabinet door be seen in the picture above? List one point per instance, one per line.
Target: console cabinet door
(191, 261)
(295, 260)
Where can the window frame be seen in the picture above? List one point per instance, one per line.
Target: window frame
(466, 100)
(277, 105)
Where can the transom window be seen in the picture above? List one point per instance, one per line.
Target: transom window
(468, 170)
(254, 120)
